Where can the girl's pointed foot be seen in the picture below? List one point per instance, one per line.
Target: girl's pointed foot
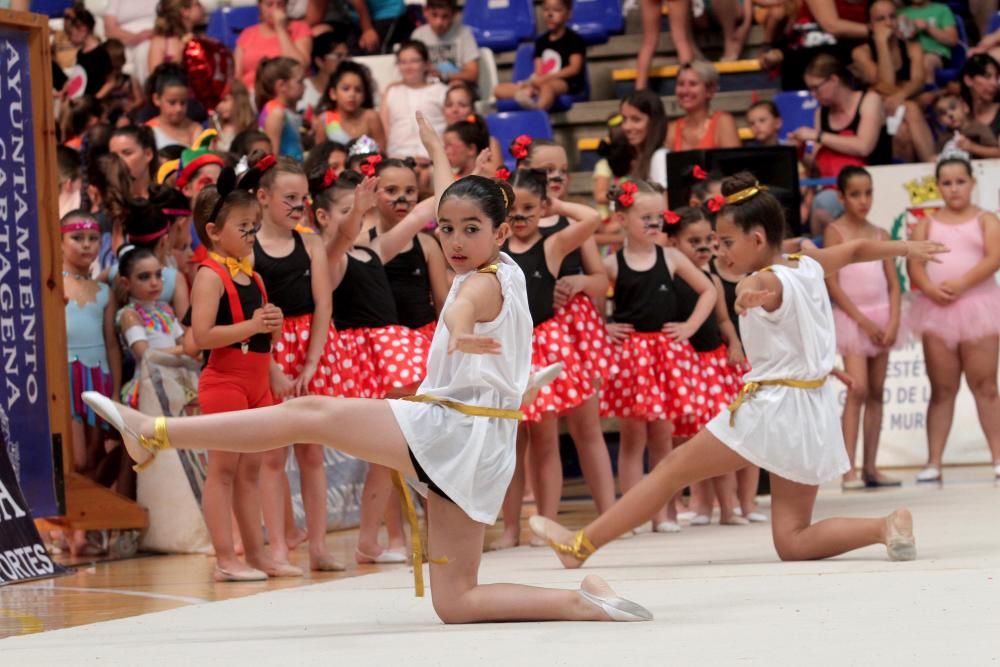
(899, 540)
(132, 425)
(572, 549)
(597, 592)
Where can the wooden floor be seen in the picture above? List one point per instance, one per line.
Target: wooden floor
(116, 589)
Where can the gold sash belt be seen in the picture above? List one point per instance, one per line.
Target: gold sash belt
(751, 388)
(406, 498)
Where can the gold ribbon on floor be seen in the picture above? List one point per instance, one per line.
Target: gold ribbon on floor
(406, 498)
(751, 388)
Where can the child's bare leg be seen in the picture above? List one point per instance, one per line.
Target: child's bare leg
(312, 474)
(725, 491)
(375, 499)
(505, 91)
(701, 457)
(394, 522)
(944, 371)
(455, 590)
(514, 499)
(872, 424)
(932, 63)
(856, 366)
(747, 480)
(979, 361)
(294, 536)
(273, 483)
(632, 439)
(78, 429)
(217, 504)
(546, 465)
(730, 17)
(585, 428)
(548, 91)
(247, 507)
(797, 538)
(660, 444)
(702, 502)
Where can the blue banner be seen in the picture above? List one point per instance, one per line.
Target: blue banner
(23, 391)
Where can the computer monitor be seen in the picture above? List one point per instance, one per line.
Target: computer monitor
(774, 166)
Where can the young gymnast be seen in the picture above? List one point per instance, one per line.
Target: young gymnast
(294, 269)
(956, 311)
(457, 434)
(655, 384)
(866, 312)
(785, 418)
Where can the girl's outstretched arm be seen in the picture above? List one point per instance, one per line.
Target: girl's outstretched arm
(866, 250)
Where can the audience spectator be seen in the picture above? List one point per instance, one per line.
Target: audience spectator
(131, 22)
(274, 36)
(347, 108)
(979, 90)
(169, 94)
(764, 120)
(962, 133)
(136, 147)
(124, 93)
(402, 99)
(335, 15)
(822, 26)
(679, 16)
(453, 50)
(644, 127)
(176, 21)
(233, 115)
(560, 56)
(849, 130)
(278, 90)
(700, 127)
(76, 117)
(459, 104)
(328, 51)
(91, 55)
(989, 44)
(893, 66)
(936, 32)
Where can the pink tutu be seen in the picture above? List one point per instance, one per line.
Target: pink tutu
(585, 328)
(717, 387)
(85, 378)
(550, 344)
(657, 378)
(851, 338)
(974, 315)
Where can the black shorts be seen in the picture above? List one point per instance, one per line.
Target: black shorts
(425, 478)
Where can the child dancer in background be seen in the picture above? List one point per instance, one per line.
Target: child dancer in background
(459, 104)
(466, 461)
(294, 270)
(95, 362)
(785, 418)
(464, 141)
(720, 356)
(956, 311)
(231, 317)
(580, 293)
(277, 91)
(418, 274)
(233, 115)
(655, 385)
(347, 110)
(866, 299)
(385, 357)
(540, 258)
(148, 226)
(170, 96)
(416, 92)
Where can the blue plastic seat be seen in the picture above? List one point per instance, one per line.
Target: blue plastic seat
(797, 108)
(958, 56)
(227, 23)
(508, 125)
(993, 24)
(500, 24)
(524, 67)
(51, 8)
(596, 20)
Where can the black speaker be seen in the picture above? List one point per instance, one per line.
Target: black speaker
(774, 166)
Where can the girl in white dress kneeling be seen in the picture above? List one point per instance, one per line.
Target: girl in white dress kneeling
(456, 436)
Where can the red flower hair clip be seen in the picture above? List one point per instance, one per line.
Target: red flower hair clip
(368, 166)
(716, 203)
(698, 173)
(670, 217)
(329, 178)
(627, 196)
(266, 163)
(503, 173)
(519, 149)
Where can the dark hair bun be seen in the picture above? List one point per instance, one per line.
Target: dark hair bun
(739, 181)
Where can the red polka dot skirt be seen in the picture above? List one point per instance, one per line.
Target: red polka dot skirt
(427, 331)
(549, 344)
(351, 365)
(656, 379)
(400, 355)
(718, 384)
(583, 324)
(291, 349)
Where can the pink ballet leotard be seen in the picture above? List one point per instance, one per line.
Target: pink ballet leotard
(972, 315)
(866, 286)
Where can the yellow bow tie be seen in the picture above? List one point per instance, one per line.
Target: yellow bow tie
(235, 266)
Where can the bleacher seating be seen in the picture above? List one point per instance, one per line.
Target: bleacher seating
(226, 23)
(489, 77)
(797, 108)
(993, 24)
(596, 20)
(51, 8)
(958, 56)
(508, 125)
(500, 24)
(524, 67)
(735, 75)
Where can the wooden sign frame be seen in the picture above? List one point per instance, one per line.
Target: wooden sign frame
(85, 504)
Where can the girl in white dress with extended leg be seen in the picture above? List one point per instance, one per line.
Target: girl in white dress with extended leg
(456, 436)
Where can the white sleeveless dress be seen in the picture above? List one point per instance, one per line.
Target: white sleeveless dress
(471, 458)
(794, 433)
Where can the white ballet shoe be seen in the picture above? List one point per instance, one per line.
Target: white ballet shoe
(900, 543)
(544, 376)
(757, 517)
(929, 474)
(701, 520)
(140, 448)
(996, 471)
(251, 574)
(686, 515)
(668, 527)
(385, 557)
(617, 608)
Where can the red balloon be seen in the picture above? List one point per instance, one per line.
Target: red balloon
(209, 67)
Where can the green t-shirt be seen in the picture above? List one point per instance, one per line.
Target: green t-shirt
(937, 15)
